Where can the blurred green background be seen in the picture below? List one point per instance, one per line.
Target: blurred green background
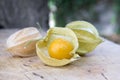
(103, 14)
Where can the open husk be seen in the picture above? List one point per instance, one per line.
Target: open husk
(22, 42)
(53, 33)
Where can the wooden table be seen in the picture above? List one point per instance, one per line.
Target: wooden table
(101, 64)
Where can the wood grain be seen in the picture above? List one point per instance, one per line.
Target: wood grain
(101, 64)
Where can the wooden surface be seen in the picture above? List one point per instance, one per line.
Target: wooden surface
(101, 64)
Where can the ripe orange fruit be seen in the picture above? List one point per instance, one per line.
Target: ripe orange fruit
(60, 49)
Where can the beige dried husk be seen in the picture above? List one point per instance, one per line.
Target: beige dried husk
(22, 42)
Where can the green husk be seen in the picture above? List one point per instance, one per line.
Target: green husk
(87, 35)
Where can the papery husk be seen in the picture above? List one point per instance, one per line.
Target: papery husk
(87, 34)
(53, 33)
(83, 25)
(23, 42)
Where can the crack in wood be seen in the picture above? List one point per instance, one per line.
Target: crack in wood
(104, 76)
(23, 68)
(38, 75)
(30, 60)
(89, 71)
(27, 77)
(25, 64)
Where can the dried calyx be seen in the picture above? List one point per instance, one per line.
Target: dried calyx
(22, 42)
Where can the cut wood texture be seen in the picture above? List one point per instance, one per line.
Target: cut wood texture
(101, 64)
